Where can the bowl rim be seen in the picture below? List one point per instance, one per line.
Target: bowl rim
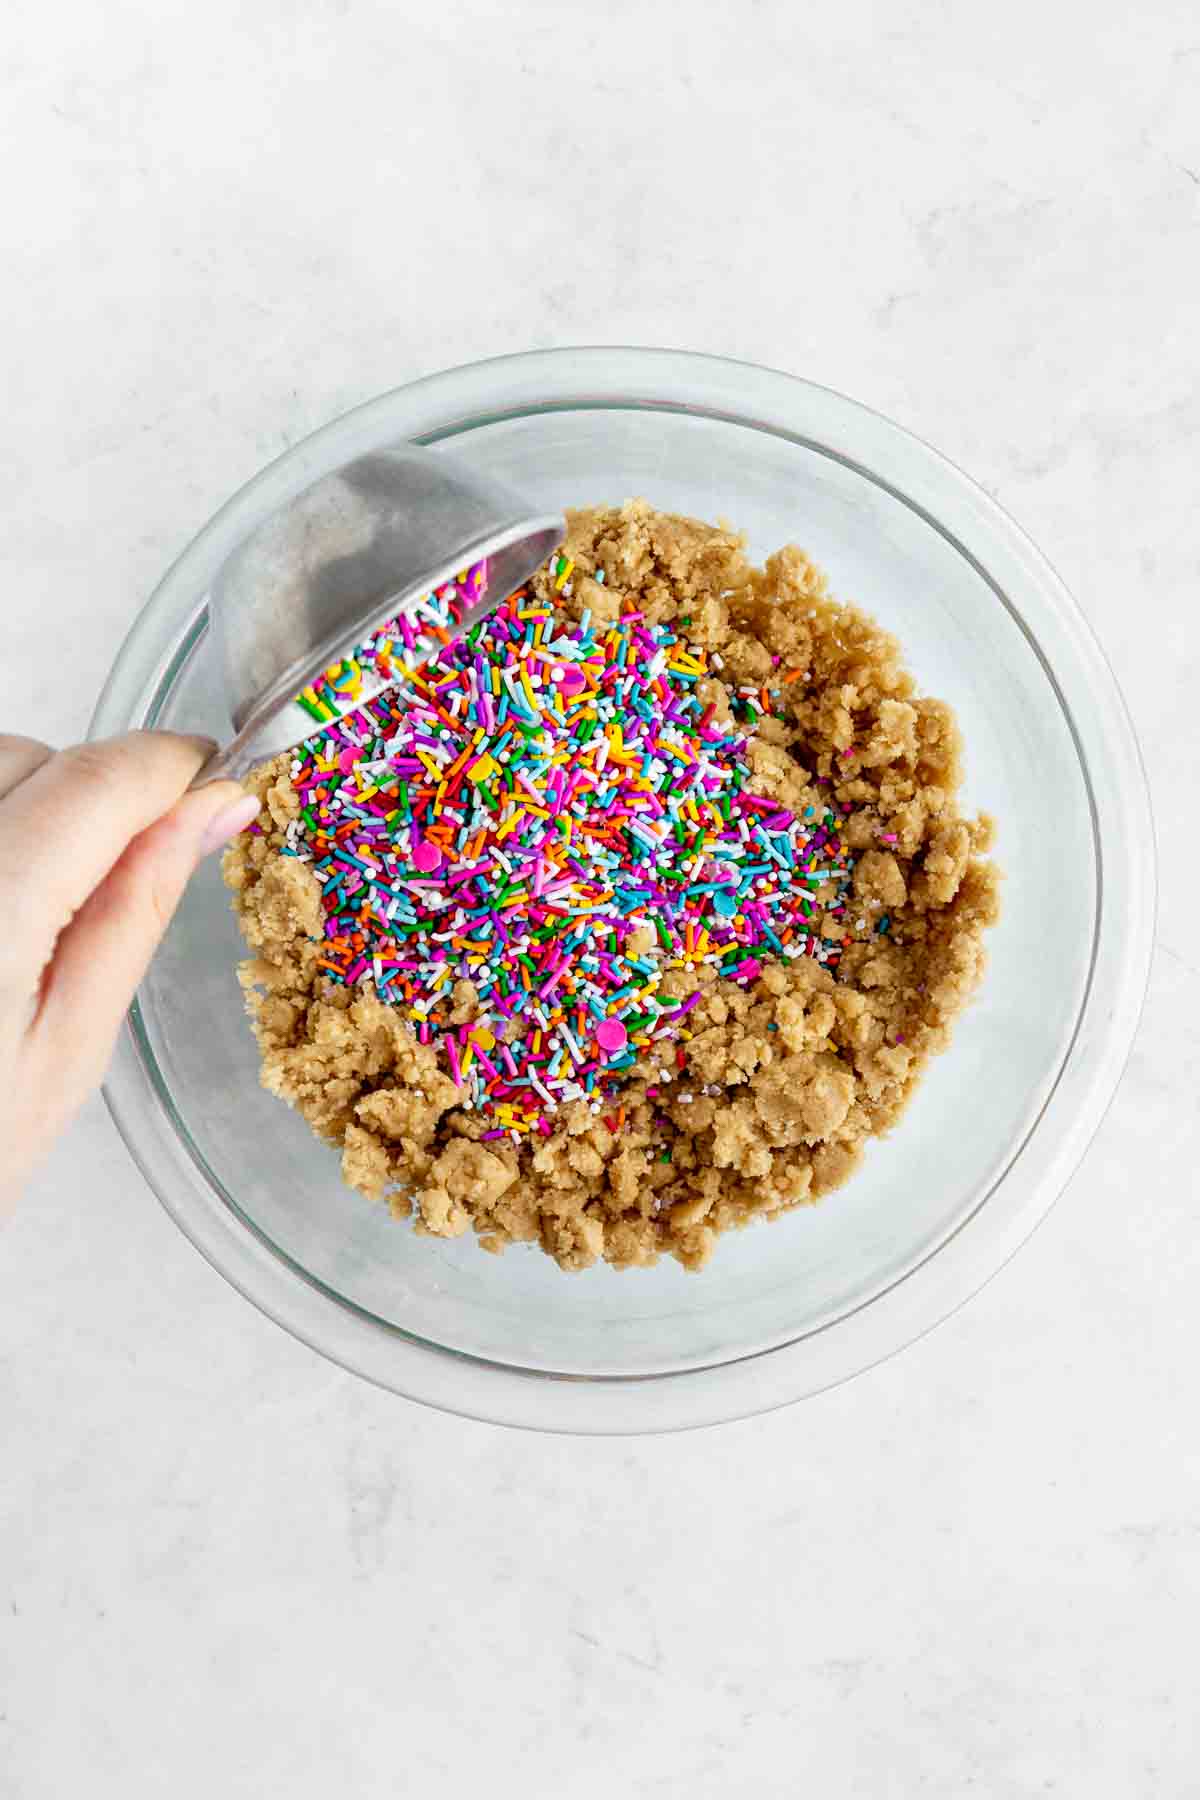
(441, 407)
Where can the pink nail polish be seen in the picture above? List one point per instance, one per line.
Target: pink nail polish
(228, 823)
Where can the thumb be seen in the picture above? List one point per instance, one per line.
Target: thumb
(102, 955)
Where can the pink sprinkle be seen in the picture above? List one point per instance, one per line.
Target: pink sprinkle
(553, 982)
(611, 1036)
(426, 856)
(571, 681)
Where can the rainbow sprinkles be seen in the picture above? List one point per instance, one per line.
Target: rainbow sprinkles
(548, 810)
(397, 649)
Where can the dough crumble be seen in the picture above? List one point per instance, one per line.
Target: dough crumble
(770, 1086)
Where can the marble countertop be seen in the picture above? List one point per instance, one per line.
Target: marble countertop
(225, 1566)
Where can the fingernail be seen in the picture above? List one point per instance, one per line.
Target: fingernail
(229, 822)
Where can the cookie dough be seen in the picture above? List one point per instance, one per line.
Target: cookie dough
(770, 1097)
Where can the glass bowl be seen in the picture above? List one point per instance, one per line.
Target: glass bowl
(1001, 1119)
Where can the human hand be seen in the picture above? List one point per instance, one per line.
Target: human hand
(96, 847)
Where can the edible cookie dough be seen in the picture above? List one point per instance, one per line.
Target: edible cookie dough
(686, 1003)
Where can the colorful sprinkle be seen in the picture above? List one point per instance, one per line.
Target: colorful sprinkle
(611, 1035)
(547, 810)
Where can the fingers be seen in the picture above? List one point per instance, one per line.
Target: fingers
(19, 757)
(66, 823)
(102, 955)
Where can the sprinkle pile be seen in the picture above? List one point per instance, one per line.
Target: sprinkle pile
(398, 647)
(548, 810)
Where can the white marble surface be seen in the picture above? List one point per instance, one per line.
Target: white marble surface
(227, 1568)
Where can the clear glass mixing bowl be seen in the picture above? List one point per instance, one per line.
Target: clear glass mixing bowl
(1000, 1121)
